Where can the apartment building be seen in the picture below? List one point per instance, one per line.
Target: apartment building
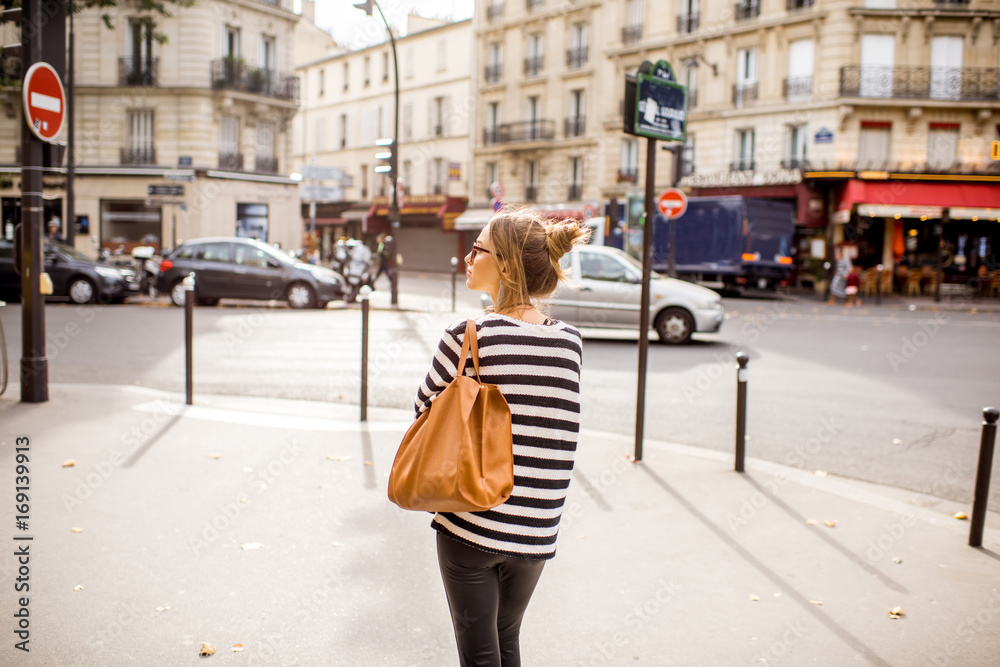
(178, 140)
(349, 105)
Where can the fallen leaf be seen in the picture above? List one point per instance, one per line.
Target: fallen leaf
(961, 515)
(237, 647)
(78, 588)
(206, 649)
(250, 546)
(77, 530)
(812, 522)
(69, 463)
(754, 598)
(897, 560)
(331, 457)
(215, 456)
(336, 544)
(831, 524)
(819, 473)
(368, 463)
(816, 602)
(896, 612)
(163, 608)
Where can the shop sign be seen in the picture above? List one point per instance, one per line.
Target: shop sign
(454, 171)
(887, 211)
(730, 179)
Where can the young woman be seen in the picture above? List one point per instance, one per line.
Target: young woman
(490, 561)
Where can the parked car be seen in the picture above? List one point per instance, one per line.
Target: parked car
(241, 268)
(605, 288)
(74, 276)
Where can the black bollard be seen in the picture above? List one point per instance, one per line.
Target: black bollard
(364, 294)
(741, 409)
(454, 274)
(983, 476)
(189, 338)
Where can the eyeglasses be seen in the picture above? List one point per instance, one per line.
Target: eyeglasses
(476, 248)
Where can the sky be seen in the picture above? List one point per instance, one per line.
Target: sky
(354, 29)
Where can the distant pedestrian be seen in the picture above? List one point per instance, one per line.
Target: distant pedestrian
(54, 235)
(382, 250)
(838, 286)
(490, 561)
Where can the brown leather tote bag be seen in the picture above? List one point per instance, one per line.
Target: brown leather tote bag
(457, 456)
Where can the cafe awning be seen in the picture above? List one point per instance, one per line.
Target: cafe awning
(908, 199)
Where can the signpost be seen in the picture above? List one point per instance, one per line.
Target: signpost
(44, 101)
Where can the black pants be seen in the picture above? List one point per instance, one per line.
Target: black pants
(487, 596)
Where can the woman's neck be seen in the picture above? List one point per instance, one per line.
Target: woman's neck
(525, 314)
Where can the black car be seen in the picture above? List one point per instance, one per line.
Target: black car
(240, 268)
(74, 276)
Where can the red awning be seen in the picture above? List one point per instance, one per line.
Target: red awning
(919, 193)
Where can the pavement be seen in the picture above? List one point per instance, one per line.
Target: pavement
(261, 526)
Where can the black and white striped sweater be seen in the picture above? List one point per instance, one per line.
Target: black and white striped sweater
(537, 368)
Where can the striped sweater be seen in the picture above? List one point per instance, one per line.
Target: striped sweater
(537, 368)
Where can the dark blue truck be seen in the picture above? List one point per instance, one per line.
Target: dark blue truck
(729, 243)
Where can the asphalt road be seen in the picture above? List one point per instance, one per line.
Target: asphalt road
(886, 395)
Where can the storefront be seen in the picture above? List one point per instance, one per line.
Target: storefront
(426, 238)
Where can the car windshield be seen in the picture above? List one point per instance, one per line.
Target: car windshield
(69, 252)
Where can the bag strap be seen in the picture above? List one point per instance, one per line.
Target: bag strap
(469, 343)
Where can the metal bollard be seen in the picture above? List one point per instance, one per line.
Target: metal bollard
(878, 286)
(454, 274)
(189, 337)
(741, 408)
(364, 294)
(983, 476)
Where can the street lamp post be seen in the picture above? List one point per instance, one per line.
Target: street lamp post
(368, 6)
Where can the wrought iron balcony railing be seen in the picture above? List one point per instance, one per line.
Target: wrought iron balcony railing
(743, 93)
(493, 72)
(138, 155)
(266, 165)
(575, 191)
(490, 135)
(532, 5)
(747, 9)
(742, 164)
(533, 65)
(524, 131)
(138, 71)
(575, 126)
(531, 193)
(797, 87)
(799, 163)
(234, 74)
(943, 83)
(232, 161)
(576, 57)
(628, 175)
(632, 33)
(687, 23)
(793, 5)
(494, 11)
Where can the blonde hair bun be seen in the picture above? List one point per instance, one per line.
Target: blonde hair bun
(562, 235)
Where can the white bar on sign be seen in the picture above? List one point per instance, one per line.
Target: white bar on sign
(46, 102)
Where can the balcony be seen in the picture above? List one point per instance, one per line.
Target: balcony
(576, 58)
(797, 87)
(439, 130)
(631, 33)
(800, 163)
(575, 191)
(231, 161)
(138, 156)
(954, 3)
(532, 65)
(491, 135)
(687, 23)
(532, 5)
(743, 164)
(524, 131)
(531, 193)
(628, 175)
(575, 126)
(138, 71)
(747, 9)
(493, 72)
(744, 93)
(494, 11)
(795, 5)
(938, 83)
(233, 74)
(266, 165)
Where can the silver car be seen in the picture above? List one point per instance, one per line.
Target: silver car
(604, 291)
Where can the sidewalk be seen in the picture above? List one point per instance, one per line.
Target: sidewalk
(264, 522)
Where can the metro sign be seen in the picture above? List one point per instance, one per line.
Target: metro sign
(44, 101)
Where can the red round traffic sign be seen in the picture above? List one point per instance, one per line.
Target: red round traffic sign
(672, 203)
(44, 101)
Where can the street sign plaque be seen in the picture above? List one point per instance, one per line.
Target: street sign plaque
(315, 172)
(321, 193)
(660, 105)
(44, 101)
(165, 190)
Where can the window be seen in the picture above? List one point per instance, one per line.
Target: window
(745, 89)
(575, 178)
(385, 66)
(139, 143)
(248, 255)
(347, 75)
(494, 62)
(744, 151)
(138, 49)
(632, 31)
(533, 63)
(364, 181)
(409, 63)
(407, 178)
(691, 81)
(531, 181)
(408, 120)
(367, 70)
(594, 266)
(437, 117)
(215, 252)
(628, 166)
(942, 145)
(442, 54)
(946, 67)
(232, 42)
(880, 4)
(797, 136)
(267, 52)
(343, 130)
(687, 156)
(878, 54)
(319, 134)
(322, 82)
(229, 143)
(798, 85)
(575, 122)
(251, 221)
(746, 9)
(492, 176)
(492, 123)
(874, 145)
(378, 123)
(689, 17)
(439, 182)
(577, 54)
(266, 161)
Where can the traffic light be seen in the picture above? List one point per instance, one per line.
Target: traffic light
(385, 157)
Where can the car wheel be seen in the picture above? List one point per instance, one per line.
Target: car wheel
(81, 291)
(674, 326)
(177, 293)
(300, 295)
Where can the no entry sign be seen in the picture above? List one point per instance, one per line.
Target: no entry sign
(44, 101)
(672, 203)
